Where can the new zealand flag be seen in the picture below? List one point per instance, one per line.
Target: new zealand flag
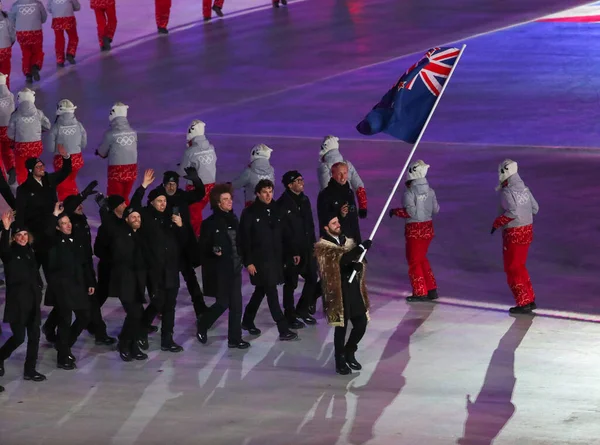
(403, 110)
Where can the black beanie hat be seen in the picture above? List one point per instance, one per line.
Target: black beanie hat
(31, 163)
(170, 176)
(114, 201)
(290, 177)
(158, 191)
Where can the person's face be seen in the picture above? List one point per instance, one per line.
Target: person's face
(120, 209)
(134, 220)
(340, 174)
(266, 195)
(171, 188)
(334, 228)
(160, 203)
(21, 238)
(64, 225)
(225, 202)
(297, 186)
(79, 209)
(39, 170)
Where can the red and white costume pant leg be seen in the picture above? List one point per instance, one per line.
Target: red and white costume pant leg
(60, 25)
(24, 151)
(418, 237)
(515, 247)
(5, 65)
(121, 179)
(31, 43)
(197, 208)
(6, 152)
(106, 19)
(162, 11)
(68, 186)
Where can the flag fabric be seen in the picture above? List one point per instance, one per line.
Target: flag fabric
(403, 110)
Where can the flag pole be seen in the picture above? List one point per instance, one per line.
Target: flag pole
(406, 164)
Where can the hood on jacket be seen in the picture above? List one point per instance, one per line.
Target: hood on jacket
(27, 109)
(332, 156)
(201, 142)
(419, 186)
(262, 166)
(119, 122)
(66, 119)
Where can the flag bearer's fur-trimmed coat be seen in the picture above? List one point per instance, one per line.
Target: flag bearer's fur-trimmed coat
(341, 299)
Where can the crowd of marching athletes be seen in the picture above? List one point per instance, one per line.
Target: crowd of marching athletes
(24, 24)
(143, 249)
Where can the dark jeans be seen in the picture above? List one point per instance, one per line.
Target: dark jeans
(193, 287)
(32, 326)
(274, 307)
(67, 332)
(164, 302)
(359, 326)
(97, 326)
(231, 300)
(131, 327)
(308, 291)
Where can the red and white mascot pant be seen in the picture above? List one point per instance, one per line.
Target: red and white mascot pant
(68, 186)
(121, 179)
(197, 208)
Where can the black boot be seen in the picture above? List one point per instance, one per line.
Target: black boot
(341, 367)
(218, 11)
(105, 340)
(71, 59)
(308, 319)
(35, 72)
(251, 328)
(295, 323)
(417, 298)
(201, 333)
(288, 336)
(106, 43)
(143, 343)
(34, 376)
(520, 309)
(238, 344)
(28, 78)
(60, 64)
(170, 346)
(66, 364)
(351, 360)
(432, 294)
(136, 354)
(163, 31)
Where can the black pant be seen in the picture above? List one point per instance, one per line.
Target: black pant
(131, 326)
(273, 302)
(359, 326)
(32, 326)
(97, 326)
(164, 302)
(232, 300)
(308, 291)
(67, 332)
(191, 282)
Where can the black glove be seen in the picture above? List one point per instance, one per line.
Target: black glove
(12, 176)
(391, 213)
(493, 230)
(362, 213)
(89, 189)
(358, 267)
(101, 200)
(367, 244)
(191, 174)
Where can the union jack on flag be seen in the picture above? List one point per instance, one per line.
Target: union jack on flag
(403, 110)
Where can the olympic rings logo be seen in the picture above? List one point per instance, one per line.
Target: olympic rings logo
(68, 131)
(4, 103)
(60, 2)
(28, 120)
(125, 140)
(206, 159)
(260, 177)
(27, 10)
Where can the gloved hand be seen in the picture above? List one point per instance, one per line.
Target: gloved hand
(101, 200)
(367, 244)
(89, 189)
(12, 176)
(493, 230)
(358, 267)
(191, 174)
(362, 213)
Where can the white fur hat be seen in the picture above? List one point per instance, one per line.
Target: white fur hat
(260, 151)
(3, 78)
(65, 106)
(506, 169)
(196, 128)
(26, 95)
(329, 143)
(417, 170)
(119, 109)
